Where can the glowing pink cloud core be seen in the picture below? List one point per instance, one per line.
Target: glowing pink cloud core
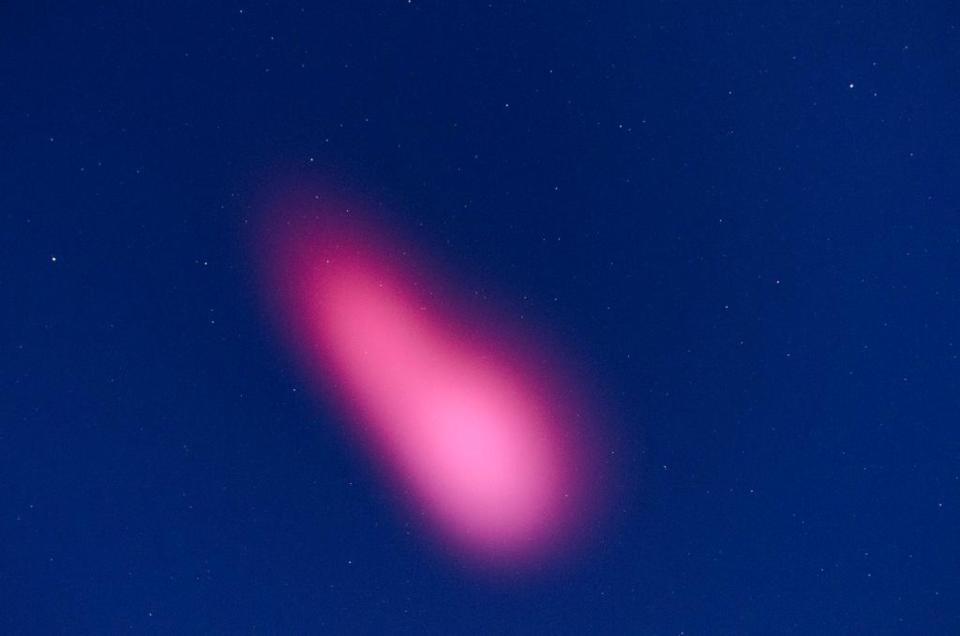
(471, 422)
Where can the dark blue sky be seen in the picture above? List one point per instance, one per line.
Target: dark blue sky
(743, 220)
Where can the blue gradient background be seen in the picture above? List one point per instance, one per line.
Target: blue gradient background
(744, 219)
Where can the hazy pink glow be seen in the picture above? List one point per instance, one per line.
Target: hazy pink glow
(475, 431)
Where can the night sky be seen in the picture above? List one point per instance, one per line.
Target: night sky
(738, 223)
